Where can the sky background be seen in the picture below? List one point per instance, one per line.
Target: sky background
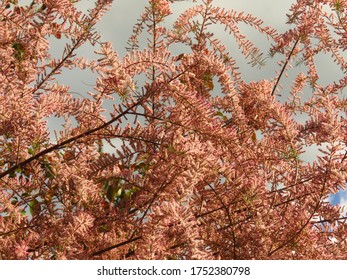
(116, 27)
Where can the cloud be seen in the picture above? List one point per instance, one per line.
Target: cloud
(343, 200)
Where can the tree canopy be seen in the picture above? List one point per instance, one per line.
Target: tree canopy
(209, 166)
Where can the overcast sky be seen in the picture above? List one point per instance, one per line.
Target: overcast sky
(117, 24)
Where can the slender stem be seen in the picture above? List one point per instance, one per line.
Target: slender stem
(285, 66)
(132, 238)
(88, 132)
(117, 245)
(301, 229)
(70, 140)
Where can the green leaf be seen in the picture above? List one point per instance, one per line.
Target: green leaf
(142, 167)
(220, 114)
(338, 6)
(104, 228)
(208, 80)
(119, 193)
(9, 147)
(12, 174)
(128, 193)
(30, 151)
(20, 50)
(34, 207)
(292, 154)
(47, 166)
(112, 189)
(14, 200)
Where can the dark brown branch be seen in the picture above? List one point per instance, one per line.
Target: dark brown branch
(117, 245)
(329, 220)
(227, 212)
(300, 230)
(59, 65)
(70, 140)
(16, 230)
(132, 238)
(285, 66)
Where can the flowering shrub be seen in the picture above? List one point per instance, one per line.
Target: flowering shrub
(210, 166)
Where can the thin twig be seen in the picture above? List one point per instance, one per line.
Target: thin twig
(284, 66)
(116, 246)
(70, 140)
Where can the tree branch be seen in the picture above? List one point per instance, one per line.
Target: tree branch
(284, 66)
(133, 239)
(70, 140)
